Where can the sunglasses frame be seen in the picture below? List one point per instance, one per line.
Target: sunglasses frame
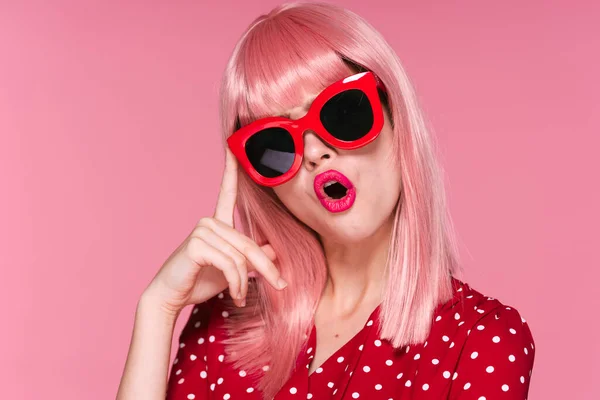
(367, 82)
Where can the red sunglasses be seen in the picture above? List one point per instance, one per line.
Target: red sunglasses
(347, 115)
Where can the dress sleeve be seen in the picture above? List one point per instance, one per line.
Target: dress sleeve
(496, 360)
(188, 377)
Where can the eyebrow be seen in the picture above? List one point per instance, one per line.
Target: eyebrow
(306, 106)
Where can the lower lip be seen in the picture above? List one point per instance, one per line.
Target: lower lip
(339, 205)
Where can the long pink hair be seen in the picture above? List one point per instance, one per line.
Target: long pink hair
(294, 50)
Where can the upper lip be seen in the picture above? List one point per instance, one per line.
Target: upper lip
(330, 175)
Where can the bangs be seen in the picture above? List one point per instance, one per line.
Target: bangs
(282, 63)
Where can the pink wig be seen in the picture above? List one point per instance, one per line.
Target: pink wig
(294, 50)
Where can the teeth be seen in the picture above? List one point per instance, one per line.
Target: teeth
(329, 184)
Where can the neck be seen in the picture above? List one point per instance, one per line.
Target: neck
(355, 271)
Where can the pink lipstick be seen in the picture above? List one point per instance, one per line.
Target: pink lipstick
(334, 190)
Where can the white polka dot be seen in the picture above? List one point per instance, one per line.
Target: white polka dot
(467, 385)
(522, 379)
(480, 311)
(225, 314)
(219, 381)
(265, 368)
(496, 339)
(310, 349)
(370, 322)
(469, 332)
(330, 384)
(460, 323)
(177, 372)
(435, 361)
(481, 398)
(378, 343)
(452, 345)
(193, 357)
(211, 338)
(309, 396)
(474, 355)
(319, 370)
(191, 396)
(242, 373)
(361, 347)
(226, 396)
(470, 296)
(511, 358)
(425, 386)
(340, 359)
(355, 395)
(445, 338)
(438, 318)
(417, 356)
(203, 374)
(181, 345)
(480, 327)
(335, 391)
(181, 381)
(221, 358)
(489, 369)
(293, 390)
(455, 376)
(378, 387)
(505, 388)
(250, 390)
(197, 324)
(399, 375)
(389, 363)
(176, 361)
(408, 383)
(446, 374)
(525, 350)
(212, 386)
(201, 340)
(457, 316)
(511, 330)
(523, 320)
(366, 368)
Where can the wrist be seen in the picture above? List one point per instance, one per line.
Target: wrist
(152, 304)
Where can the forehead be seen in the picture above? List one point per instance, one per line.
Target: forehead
(303, 106)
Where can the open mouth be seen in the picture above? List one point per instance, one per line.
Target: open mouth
(335, 190)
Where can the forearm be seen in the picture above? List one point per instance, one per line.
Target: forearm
(147, 366)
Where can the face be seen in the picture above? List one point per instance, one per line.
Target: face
(374, 175)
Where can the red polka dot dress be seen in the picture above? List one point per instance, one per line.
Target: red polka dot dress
(478, 348)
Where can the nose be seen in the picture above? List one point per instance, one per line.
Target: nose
(316, 152)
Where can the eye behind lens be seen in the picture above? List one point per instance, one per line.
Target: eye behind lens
(348, 115)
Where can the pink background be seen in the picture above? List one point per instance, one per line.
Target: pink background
(110, 152)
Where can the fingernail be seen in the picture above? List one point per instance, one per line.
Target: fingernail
(243, 303)
(239, 295)
(281, 283)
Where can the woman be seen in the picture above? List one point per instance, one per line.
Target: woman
(344, 283)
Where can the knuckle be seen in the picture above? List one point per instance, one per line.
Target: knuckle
(201, 232)
(195, 247)
(240, 262)
(207, 222)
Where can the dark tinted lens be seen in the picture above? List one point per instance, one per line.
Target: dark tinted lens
(271, 152)
(348, 115)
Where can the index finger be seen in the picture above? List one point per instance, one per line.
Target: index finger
(228, 192)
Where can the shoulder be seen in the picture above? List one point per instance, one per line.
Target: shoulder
(497, 349)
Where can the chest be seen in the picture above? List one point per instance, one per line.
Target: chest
(331, 336)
